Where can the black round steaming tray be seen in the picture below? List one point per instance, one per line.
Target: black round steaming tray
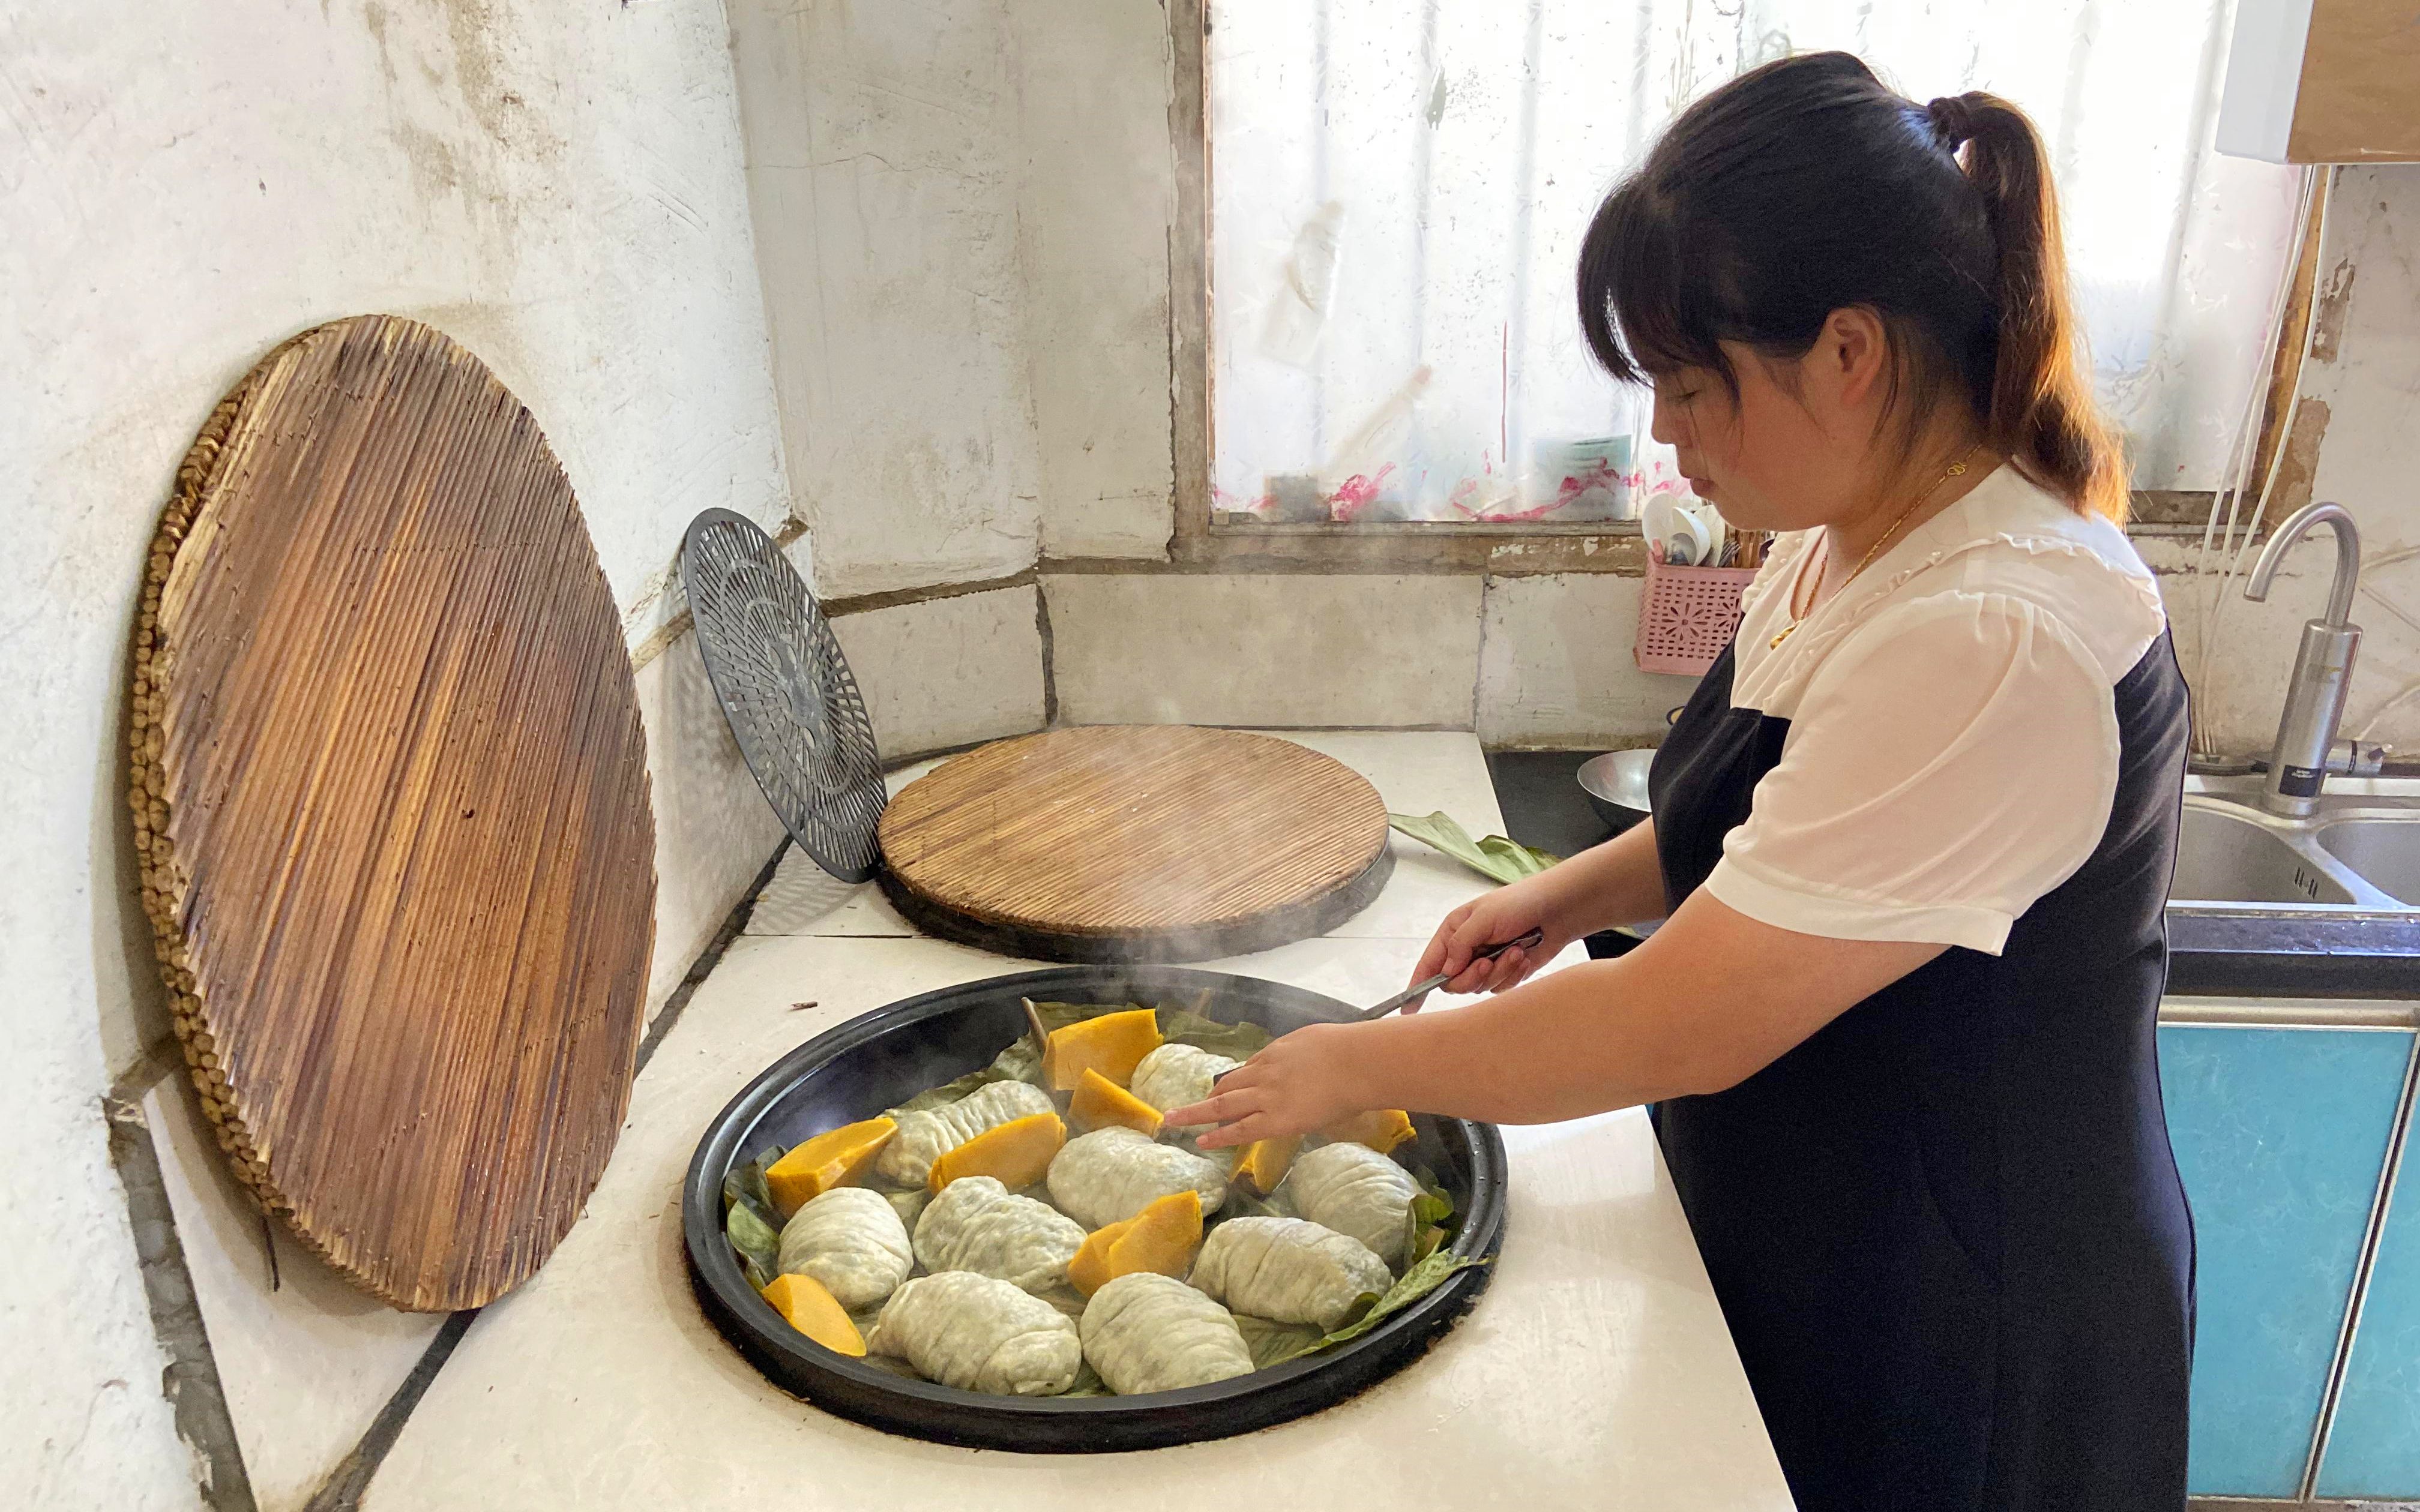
(884, 1058)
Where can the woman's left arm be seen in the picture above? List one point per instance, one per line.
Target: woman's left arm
(1951, 762)
(1709, 999)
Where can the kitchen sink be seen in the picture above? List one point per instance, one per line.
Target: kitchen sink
(2360, 853)
(2386, 852)
(2232, 857)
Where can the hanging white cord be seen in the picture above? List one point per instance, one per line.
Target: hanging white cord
(2227, 500)
(2313, 201)
(2293, 407)
(2401, 695)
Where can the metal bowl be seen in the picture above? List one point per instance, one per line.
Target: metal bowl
(882, 1058)
(1616, 785)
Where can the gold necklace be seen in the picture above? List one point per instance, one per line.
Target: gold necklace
(1797, 616)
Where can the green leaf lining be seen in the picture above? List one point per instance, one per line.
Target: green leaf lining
(1495, 857)
(757, 1240)
(1425, 1224)
(1275, 1343)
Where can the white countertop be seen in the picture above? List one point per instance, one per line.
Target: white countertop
(1595, 1370)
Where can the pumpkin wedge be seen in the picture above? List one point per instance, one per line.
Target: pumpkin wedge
(1089, 1271)
(1015, 1153)
(1263, 1163)
(1162, 1238)
(1382, 1129)
(1112, 1044)
(831, 1159)
(1100, 1102)
(813, 1310)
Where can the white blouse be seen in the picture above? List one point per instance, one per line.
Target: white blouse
(1953, 744)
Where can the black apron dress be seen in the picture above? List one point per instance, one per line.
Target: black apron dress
(1946, 1230)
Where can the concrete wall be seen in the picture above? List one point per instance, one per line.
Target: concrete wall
(883, 162)
(2355, 442)
(557, 187)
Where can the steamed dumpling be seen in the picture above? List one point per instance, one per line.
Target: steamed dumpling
(1354, 1189)
(1288, 1270)
(1147, 1331)
(851, 1239)
(978, 1332)
(925, 1136)
(1110, 1174)
(1177, 1075)
(978, 1225)
(909, 1205)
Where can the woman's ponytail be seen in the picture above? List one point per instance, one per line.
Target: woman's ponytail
(2041, 411)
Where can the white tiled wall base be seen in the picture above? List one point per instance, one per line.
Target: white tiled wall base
(948, 671)
(305, 1364)
(1284, 651)
(1556, 668)
(714, 830)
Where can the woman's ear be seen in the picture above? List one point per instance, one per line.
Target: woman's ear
(1854, 356)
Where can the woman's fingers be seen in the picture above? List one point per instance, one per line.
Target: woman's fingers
(1232, 1101)
(1439, 956)
(1512, 969)
(1243, 1132)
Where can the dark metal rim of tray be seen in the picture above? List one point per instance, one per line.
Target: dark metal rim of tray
(1474, 1151)
(1299, 920)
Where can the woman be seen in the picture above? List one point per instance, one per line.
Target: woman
(1912, 833)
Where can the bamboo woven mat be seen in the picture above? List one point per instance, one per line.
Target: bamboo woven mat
(1135, 842)
(391, 797)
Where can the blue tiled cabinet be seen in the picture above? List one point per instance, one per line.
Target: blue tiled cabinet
(2281, 1135)
(2374, 1450)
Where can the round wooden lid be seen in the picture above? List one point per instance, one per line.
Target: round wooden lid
(1135, 842)
(391, 799)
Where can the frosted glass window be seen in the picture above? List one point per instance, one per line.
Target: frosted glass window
(1399, 189)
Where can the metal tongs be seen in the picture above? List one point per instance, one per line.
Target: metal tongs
(1421, 989)
(1418, 989)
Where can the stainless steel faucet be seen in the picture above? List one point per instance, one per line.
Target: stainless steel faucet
(2308, 748)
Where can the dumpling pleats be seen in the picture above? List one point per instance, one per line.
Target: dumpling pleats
(1147, 1331)
(979, 1334)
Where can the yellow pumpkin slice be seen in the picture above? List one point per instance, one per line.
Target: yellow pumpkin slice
(1263, 1163)
(813, 1311)
(1015, 1153)
(829, 1160)
(1089, 1271)
(1382, 1129)
(1100, 1102)
(1112, 1044)
(1163, 1238)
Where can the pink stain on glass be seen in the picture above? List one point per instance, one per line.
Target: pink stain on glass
(1356, 494)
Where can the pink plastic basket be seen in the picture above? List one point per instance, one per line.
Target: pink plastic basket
(1687, 616)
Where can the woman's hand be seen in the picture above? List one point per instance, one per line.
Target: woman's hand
(1297, 1083)
(1506, 914)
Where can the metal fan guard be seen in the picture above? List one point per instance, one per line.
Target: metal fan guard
(785, 687)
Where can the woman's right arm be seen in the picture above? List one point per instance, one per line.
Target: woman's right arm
(1619, 882)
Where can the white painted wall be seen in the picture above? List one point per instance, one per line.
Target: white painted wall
(1555, 670)
(2364, 370)
(882, 160)
(1095, 210)
(948, 671)
(559, 188)
(1297, 650)
(962, 215)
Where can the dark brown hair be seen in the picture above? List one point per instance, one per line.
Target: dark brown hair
(1806, 186)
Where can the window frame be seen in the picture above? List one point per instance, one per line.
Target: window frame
(1201, 540)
